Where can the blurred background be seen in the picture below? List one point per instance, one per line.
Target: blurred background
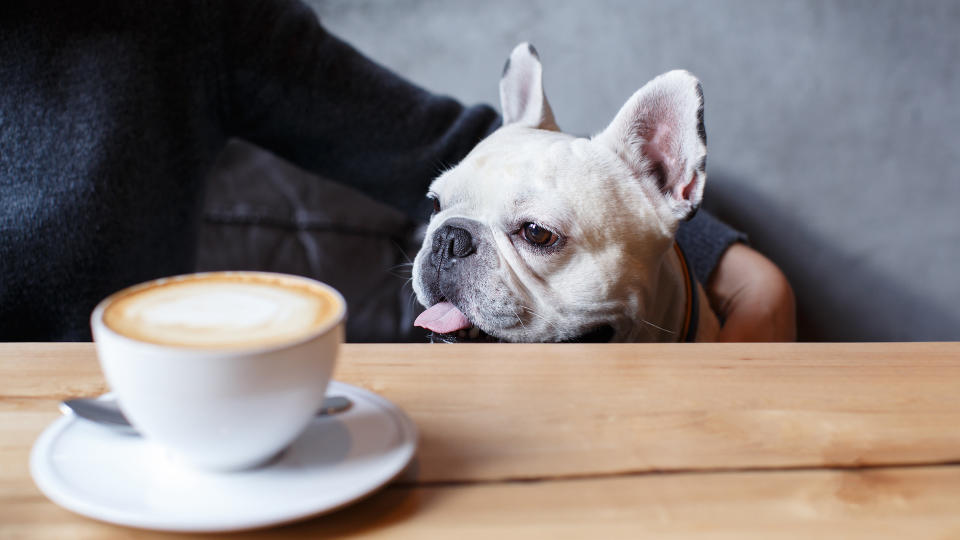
(833, 129)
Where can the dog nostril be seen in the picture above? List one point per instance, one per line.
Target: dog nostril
(459, 242)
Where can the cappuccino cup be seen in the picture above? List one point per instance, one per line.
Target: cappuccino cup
(222, 369)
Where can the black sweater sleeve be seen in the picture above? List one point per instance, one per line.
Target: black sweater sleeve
(704, 239)
(290, 86)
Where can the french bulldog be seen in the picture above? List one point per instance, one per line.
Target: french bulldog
(541, 236)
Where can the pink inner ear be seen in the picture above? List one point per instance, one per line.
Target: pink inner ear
(658, 143)
(657, 150)
(687, 193)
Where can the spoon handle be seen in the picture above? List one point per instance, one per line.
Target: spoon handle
(106, 412)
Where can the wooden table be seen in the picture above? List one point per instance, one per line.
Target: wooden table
(597, 441)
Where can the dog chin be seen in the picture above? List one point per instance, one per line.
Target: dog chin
(599, 333)
(472, 335)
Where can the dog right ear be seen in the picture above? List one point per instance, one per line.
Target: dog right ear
(659, 133)
(522, 100)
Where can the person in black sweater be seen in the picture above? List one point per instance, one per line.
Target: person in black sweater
(112, 113)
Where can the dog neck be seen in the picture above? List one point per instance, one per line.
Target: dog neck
(672, 313)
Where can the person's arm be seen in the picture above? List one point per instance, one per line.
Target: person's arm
(293, 88)
(753, 297)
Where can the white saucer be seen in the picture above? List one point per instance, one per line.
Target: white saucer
(126, 480)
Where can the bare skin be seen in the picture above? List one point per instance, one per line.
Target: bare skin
(753, 297)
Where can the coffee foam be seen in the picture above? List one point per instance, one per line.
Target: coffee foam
(222, 310)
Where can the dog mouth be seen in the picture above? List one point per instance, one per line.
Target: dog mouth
(449, 325)
(469, 335)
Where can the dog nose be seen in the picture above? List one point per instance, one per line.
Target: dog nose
(451, 242)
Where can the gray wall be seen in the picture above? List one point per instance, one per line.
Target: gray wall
(834, 127)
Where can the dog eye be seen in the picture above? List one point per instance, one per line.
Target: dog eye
(539, 236)
(436, 202)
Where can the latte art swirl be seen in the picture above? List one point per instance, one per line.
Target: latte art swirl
(222, 310)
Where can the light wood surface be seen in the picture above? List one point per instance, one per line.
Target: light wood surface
(553, 441)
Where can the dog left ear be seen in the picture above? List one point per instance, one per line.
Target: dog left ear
(659, 133)
(522, 100)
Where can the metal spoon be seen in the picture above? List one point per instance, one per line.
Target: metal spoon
(107, 413)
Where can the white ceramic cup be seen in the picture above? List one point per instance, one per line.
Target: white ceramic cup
(221, 409)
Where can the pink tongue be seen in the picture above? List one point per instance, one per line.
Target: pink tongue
(442, 317)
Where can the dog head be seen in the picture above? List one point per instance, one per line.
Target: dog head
(541, 236)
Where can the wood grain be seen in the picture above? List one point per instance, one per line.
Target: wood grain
(885, 503)
(569, 440)
(529, 411)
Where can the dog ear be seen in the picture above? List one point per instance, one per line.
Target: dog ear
(522, 100)
(659, 132)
